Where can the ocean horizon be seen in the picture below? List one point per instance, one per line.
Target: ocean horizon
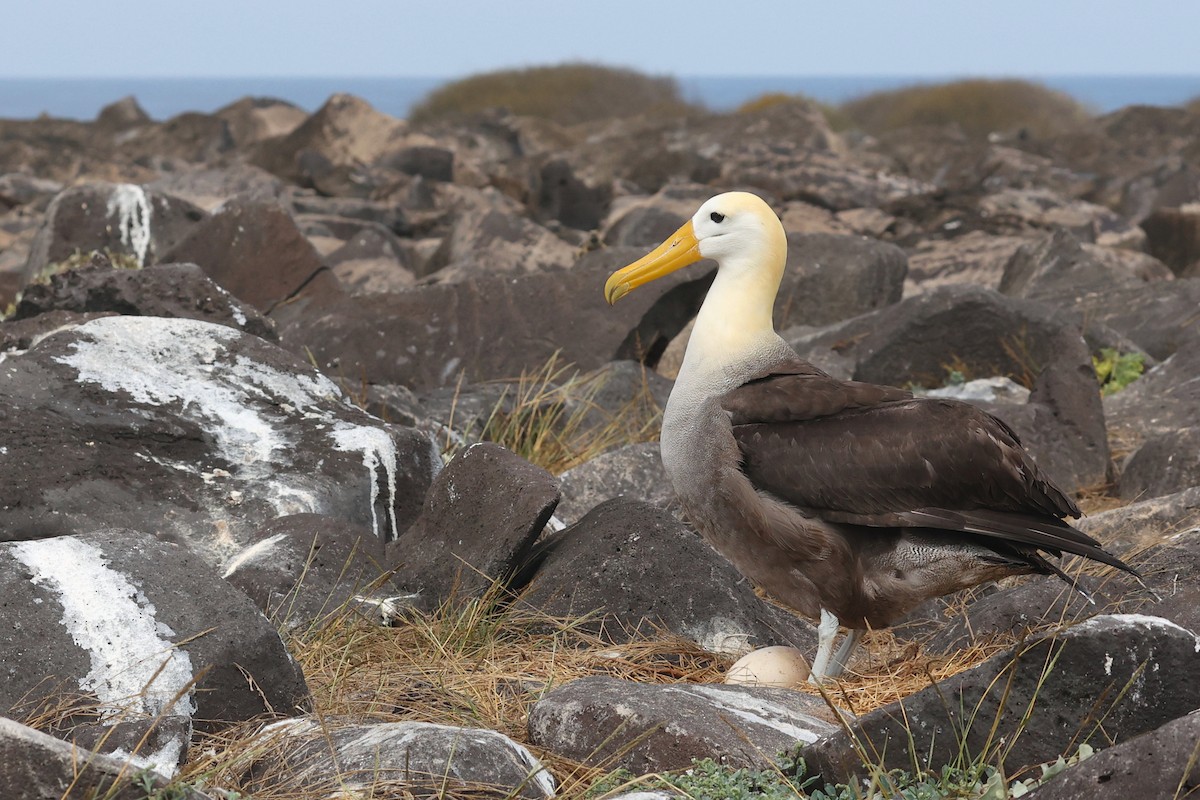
(163, 98)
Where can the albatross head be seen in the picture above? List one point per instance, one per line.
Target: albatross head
(736, 229)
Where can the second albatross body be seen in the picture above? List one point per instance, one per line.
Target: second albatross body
(847, 501)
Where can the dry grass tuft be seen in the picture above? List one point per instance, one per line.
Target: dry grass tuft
(552, 418)
(472, 663)
(895, 668)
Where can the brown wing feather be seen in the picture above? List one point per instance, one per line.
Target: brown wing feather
(870, 455)
(797, 391)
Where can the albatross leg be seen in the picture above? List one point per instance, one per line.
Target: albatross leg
(826, 634)
(842, 657)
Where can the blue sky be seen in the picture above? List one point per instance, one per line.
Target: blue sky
(79, 38)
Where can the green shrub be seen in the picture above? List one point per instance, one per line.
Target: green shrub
(567, 93)
(977, 106)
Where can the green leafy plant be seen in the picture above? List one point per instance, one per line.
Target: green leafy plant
(1116, 370)
(705, 780)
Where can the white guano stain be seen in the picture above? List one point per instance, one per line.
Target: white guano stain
(760, 712)
(1136, 621)
(234, 399)
(254, 552)
(129, 204)
(378, 450)
(135, 667)
(165, 760)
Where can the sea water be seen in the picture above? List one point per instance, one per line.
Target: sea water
(82, 98)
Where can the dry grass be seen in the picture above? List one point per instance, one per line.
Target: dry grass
(478, 663)
(551, 418)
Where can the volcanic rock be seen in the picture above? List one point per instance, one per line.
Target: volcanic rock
(119, 218)
(194, 432)
(1164, 464)
(1159, 763)
(1133, 672)
(35, 766)
(209, 187)
(654, 728)
(481, 517)
(344, 132)
(180, 291)
(615, 562)
(411, 759)
(1058, 267)
(304, 568)
(1173, 235)
(254, 251)
(448, 330)
(117, 626)
(634, 471)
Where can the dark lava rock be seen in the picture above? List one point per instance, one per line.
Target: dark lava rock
(25, 333)
(977, 257)
(195, 432)
(1164, 464)
(303, 568)
(191, 137)
(1059, 267)
(411, 759)
(430, 163)
(1173, 237)
(653, 728)
(646, 225)
(491, 241)
(255, 251)
(35, 766)
(1160, 763)
(180, 291)
(1163, 402)
(1129, 673)
(564, 197)
(1166, 520)
(121, 115)
(830, 278)
(120, 218)
(481, 517)
(1159, 317)
(389, 216)
(1045, 600)
(345, 132)
(19, 189)
(634, 471)
(619, 558)
(117, 625)
(448, 330)
(209, 187)
(253, 119)
(149, 743)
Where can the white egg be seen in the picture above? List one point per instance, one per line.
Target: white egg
(784, 667)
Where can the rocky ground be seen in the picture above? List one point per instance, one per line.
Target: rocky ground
(250, 358)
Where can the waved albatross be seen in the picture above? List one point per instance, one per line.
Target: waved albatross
(847, 501)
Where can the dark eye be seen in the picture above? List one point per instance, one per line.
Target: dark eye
(717, 216)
